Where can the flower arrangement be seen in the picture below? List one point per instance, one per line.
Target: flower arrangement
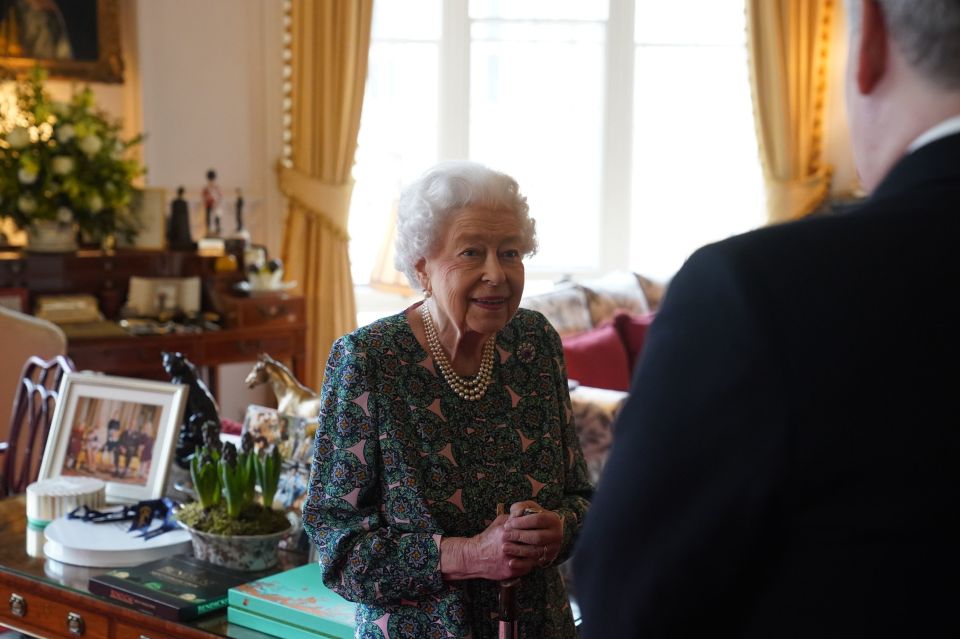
(64, 162)
(225, 482)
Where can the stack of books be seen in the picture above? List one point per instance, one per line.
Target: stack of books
(293, 604)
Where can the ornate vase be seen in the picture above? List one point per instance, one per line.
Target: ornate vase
(50, 236)
(240, 552)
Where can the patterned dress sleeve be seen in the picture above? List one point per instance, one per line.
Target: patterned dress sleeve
(577, 489)
(362, 558)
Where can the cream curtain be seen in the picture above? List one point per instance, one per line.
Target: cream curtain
(789, 45)
(330, 43)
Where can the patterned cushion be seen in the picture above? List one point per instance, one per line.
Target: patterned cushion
(653, 291)
(565, 307)
(619, 290)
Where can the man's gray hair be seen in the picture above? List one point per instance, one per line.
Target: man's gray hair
(927, 32)
(442, 191)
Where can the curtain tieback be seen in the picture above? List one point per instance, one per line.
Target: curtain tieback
(330, 202)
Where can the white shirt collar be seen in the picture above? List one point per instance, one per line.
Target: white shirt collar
(942, 130)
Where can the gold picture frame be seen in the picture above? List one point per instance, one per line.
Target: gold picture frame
(91, 59)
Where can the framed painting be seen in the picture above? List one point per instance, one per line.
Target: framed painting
(117, 429)
(73, 39)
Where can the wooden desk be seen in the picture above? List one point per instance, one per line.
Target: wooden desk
(141, 356)
(272, 323)
(52, 591)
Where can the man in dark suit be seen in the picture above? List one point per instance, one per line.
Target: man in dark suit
(788, 463)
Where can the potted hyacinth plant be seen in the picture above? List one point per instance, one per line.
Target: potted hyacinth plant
(64, 168)
(227, 523)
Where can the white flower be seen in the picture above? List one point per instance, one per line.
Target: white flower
(26, 176)
(62, 164)
(65, 133)
(95, 203)
(26, 204)
(90, 144)
(64, 215)
(18, 137)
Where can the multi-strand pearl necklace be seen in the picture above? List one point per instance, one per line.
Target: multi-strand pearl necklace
(470, 389)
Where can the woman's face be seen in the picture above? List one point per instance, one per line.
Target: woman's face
(476, 272)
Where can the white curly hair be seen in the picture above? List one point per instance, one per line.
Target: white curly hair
(443, 190)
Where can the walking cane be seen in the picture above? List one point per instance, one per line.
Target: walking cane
(508, 601)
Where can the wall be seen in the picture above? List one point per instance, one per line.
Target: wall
(202, 80)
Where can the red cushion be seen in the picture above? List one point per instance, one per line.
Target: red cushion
(633, 331)
(597, 358)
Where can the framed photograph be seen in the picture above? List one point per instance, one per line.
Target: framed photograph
(150, 205)
(73, 39)
(151, 296)
(293, 435)
(117, 429)
(15, 299)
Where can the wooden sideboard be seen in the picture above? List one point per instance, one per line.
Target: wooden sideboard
(273, 323)
(41, 597)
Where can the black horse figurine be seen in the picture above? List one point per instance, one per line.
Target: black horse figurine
(201, 406)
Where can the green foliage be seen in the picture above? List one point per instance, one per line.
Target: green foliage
(65, 162)
(225, 481)
(235, 479)
(268, 469)
(203, 472)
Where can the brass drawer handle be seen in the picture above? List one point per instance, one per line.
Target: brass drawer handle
(75, 624)
(18, 605)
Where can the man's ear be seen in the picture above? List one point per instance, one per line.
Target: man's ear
(873, 42)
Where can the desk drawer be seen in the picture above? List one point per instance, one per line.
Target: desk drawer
(49, 616)
(266, 310)
(125, 631)
(251, 344)
(133, 357)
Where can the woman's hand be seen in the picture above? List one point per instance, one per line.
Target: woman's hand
(536, 535)
(489, 555)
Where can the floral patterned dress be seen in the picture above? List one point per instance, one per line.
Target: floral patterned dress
(401, 461)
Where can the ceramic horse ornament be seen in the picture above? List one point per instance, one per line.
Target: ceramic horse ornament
(293, 398)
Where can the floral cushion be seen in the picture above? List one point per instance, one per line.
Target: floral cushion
(565, 308)
(619, 290)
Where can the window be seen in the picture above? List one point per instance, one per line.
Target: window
(628, 123)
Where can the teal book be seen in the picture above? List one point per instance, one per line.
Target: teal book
(293, 604)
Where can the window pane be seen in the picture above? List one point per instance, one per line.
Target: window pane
(696, 172)
(397, 141)
(690, 22)
(539, 9)
(406, 20)
(536, 113)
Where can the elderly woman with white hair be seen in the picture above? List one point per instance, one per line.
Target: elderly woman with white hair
(446, 459)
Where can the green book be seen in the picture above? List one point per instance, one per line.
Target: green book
(180, 587)
(293, 604)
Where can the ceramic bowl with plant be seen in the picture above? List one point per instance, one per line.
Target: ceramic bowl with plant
(229, 526)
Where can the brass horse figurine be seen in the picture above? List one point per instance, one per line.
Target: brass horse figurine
(293, 398)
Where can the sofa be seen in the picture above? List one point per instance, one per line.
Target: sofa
(602, 324)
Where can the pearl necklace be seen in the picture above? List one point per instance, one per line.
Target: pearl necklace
(470, 389)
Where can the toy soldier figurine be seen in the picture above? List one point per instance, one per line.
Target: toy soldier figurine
(178, 227)
(239, 212)
(212, 197)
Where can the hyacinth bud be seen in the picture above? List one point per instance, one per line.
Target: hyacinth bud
(229, 454)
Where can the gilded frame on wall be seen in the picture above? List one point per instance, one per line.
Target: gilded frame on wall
(64, 53)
